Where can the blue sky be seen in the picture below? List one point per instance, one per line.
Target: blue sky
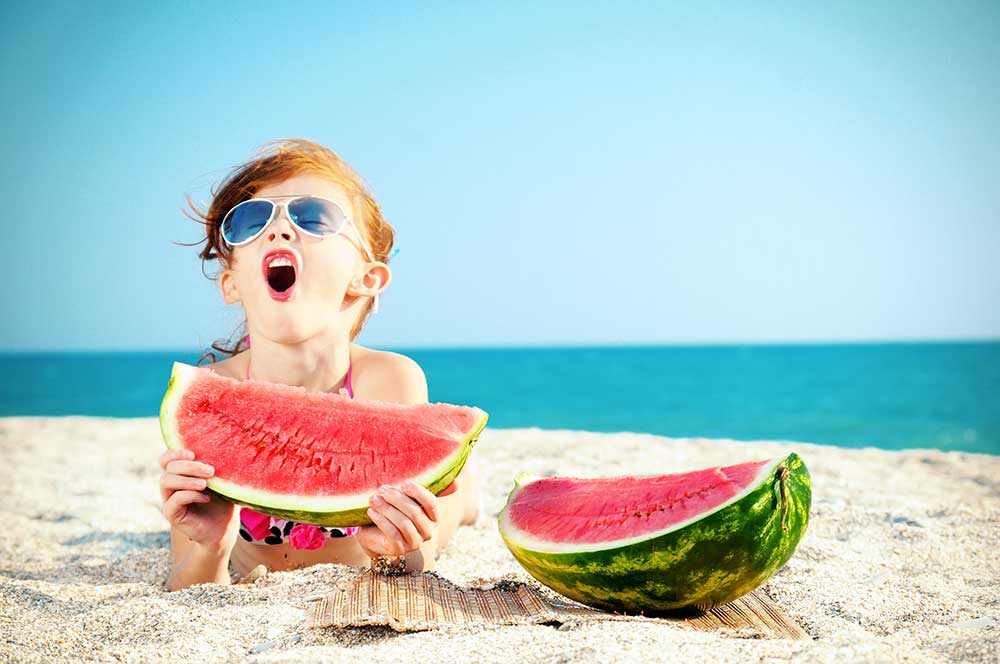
(569, 174)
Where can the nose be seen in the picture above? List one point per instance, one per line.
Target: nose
(281, 226)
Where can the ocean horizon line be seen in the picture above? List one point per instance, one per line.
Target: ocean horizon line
(560, 346)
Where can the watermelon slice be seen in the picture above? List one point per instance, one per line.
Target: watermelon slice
(309, 457)
(655, 544)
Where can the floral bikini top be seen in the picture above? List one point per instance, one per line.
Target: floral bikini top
(258, 528)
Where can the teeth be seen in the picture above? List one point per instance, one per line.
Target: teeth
(280, 261)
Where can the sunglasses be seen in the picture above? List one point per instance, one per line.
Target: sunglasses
(313, 215)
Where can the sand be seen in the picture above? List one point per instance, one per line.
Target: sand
(901, 561)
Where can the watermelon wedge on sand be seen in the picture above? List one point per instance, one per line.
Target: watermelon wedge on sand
(655, 544)
(309, 457)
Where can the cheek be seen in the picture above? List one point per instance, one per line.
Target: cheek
(334, 269)
(248, 276)
(240, 268)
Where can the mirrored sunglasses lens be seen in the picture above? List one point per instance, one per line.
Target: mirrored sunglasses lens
(246, 220)
(316, 216)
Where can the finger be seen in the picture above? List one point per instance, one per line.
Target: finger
(170, 455)
(393, 538)
(173, 507)
(177, 482)
(190, 468)
(452, 488)
(412, 509)
(170, 483)
(408, 530)
(428, 501)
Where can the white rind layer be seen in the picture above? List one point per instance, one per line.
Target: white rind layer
(523, 540)
(182, 376)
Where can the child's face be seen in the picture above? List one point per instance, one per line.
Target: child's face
(331, 281)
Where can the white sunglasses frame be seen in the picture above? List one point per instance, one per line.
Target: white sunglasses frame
(276, 205)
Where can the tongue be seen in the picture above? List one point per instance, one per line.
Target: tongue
(281, 278)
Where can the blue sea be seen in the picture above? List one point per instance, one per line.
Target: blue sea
(892, 395)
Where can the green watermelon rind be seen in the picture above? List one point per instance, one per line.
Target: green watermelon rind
(350, 510)
(701, 563)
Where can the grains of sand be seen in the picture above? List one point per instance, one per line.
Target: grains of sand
(901, 560)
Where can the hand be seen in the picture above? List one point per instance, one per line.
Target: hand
(404, 517)
(205, 518)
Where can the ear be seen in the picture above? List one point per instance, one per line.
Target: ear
(372, 281)
(227, 284)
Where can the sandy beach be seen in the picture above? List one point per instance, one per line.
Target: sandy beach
(901, 561)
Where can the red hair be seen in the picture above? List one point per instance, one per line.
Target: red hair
(276, 162)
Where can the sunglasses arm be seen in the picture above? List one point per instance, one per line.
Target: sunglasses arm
(368, 254)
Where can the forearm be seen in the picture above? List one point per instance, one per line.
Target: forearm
(200, 565)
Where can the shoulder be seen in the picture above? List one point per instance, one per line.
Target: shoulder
(382, 375)
(232, 367)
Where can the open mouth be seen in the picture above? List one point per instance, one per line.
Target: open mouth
(280, 271)
(281, 277)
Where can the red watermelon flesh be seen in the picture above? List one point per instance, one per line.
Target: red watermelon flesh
(311, 457)
(581, 511)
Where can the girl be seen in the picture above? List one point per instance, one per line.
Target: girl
(303, 249)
